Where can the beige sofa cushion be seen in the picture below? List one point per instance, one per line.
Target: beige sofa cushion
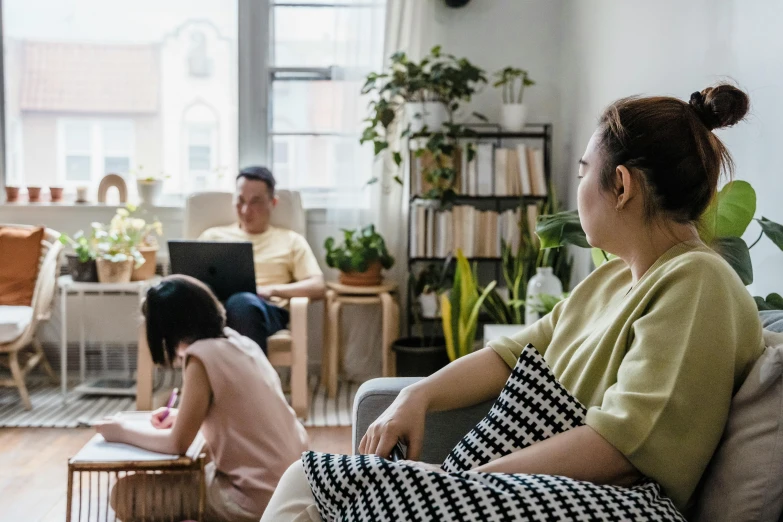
(744, 481)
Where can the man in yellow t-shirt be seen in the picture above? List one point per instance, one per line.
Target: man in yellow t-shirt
(284, 263)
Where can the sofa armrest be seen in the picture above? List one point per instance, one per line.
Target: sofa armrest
(442, 431)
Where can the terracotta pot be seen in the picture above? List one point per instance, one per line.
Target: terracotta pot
(11, 194)
(56, 194)
(370, 277)
(83, 272)
(34, 194)
(111, 272)
(147, 270)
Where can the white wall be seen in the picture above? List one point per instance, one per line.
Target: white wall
(614, 49)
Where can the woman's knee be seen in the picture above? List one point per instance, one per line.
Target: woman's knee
(241, 302)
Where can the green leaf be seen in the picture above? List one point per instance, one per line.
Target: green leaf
(563, 228)
(372, 180)
(397, 158)
(772, 302)
(380, 145)
(735, 251)
(398, 179)
(730, 213)
(772, 230)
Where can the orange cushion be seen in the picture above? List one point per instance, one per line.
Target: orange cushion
(20, 252)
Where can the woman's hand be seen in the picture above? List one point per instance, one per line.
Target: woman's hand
(159, 422)
(422, 465)
(113, 430)
(403, 420)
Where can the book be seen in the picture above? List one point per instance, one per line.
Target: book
(536, 166)
(524, 171)
(513, 183)
(501, 166)
(97, 449)
(484, 170)
(429, 246)
(421, 231)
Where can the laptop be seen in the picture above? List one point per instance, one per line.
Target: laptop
(227, 268)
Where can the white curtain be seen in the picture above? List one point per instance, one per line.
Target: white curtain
(407, 25)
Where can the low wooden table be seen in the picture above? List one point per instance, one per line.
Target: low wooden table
(86, 475)
(338, 294)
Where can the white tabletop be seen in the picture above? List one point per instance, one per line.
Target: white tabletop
(66, 282)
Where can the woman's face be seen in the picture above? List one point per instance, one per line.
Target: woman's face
(596, 209)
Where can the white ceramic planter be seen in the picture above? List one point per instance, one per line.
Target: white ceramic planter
(431, 114)
(149, 191)
(430, 307)
(544, 282)
(513, 117)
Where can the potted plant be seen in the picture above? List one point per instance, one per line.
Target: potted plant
(428, 286)
(145, 236)
(360, 258)
(150, 187)
(460, 310)
(513, 112)
(117, 249)
(431, 92)
(56, 194)
(81, 264)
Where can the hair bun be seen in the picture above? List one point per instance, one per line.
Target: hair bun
(720, 106)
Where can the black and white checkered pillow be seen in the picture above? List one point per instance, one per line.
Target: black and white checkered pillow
(532, 407)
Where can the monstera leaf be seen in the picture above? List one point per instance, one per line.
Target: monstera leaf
(730, 212)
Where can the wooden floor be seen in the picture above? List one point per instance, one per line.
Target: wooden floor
(34, 464)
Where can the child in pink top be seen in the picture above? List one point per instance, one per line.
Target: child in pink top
(230, 392)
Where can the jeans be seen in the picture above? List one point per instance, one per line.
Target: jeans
(255, 318)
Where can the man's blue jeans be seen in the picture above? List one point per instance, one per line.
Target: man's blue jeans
(255, 318)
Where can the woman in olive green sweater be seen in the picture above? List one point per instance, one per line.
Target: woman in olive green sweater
(653, 344)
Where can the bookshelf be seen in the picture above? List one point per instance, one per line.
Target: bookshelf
(535, 135)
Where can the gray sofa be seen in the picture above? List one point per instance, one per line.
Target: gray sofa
(444, 429)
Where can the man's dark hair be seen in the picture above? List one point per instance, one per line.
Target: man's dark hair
(259, 174)
(180, 308)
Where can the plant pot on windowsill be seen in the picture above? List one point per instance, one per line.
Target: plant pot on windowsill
(82, 271)
(114, 271)
(149, 191)
(147, 270)
(34, 194)
(370, 277)
(420, 356)
(11, 194)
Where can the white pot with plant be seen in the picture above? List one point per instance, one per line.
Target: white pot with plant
(513, 113)
(428, 287)
(117, 248)
(149, 187)
(430, 114)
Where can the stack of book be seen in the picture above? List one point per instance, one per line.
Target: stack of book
(477, 233)
(493, 171)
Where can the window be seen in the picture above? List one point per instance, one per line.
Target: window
(95, 87)
(320, 54)
(91, 148)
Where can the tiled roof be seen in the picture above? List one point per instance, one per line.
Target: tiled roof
(88, 78)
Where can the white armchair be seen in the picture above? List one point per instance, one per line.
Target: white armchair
(204, 210)
(18, 324)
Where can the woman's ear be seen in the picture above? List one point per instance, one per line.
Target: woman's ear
(625, 186)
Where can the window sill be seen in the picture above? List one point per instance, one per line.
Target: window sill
(73, 205)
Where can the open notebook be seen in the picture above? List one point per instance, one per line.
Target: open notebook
(98, 450)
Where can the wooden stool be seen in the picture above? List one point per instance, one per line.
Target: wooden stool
(339, 294)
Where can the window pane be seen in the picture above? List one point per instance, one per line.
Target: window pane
(77, 168)
(116, 165)
(318, 106)
(128, 73)
(325, 36)
(199, 157)
(323, 165)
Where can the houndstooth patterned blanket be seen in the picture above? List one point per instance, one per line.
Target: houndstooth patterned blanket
(532, 407)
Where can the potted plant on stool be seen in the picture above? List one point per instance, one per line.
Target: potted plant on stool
(117, 249)
(360, 258)
(81, 264)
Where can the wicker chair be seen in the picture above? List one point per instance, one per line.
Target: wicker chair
(14, 353)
